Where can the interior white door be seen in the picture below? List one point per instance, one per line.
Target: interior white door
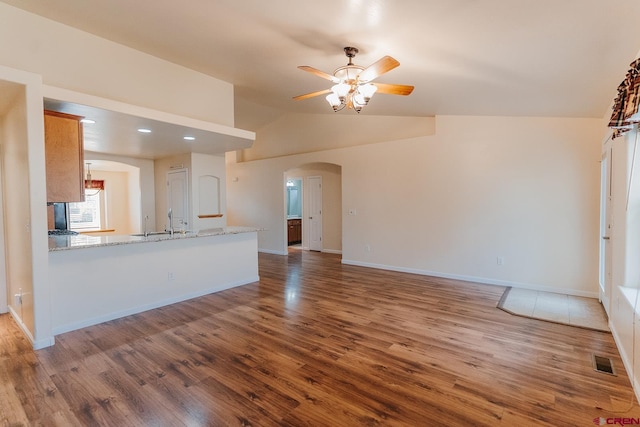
(315, 213)
(606, 231)
(178, 199)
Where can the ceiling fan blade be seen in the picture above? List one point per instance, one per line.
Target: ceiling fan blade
(319, 73)
(311, 95)
(391, 89)
(378, 68)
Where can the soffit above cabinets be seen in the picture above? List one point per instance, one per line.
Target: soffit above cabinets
(116, 132)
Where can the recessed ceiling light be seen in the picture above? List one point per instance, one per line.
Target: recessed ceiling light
(87, 121)
(143, 130)
(190, 138)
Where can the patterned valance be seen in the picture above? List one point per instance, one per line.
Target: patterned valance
(94, 184)
(625, 106)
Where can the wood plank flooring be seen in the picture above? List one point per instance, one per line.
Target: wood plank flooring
(317, 343)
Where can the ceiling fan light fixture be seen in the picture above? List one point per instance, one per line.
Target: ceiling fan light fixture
(359, 99)
(352, 83)
(334, 101)
(348, 73)
(341, 90)
(367, 90)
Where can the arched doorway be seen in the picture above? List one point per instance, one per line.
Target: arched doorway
(324, 206)
(122, 194)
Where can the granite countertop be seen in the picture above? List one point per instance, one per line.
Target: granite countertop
(80, 241)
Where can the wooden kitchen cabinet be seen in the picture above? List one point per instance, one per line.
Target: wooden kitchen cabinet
(294, 227)
(64, 156)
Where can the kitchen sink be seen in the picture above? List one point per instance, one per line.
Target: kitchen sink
(159, 233)
(151, 233)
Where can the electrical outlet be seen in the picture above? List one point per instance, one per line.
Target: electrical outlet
(170, 276)
(18, 299)
(367, 248)
(500, 260)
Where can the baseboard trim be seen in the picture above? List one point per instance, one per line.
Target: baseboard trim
(326, 251)
(332, 251)
(37, 345)
(269, 251)
(483, 280)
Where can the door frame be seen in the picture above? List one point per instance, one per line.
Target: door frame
(310, 198)
(185, 200)
(332, 213)
(606, 230)
(302, 209)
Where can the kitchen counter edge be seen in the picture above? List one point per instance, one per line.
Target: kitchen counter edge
(81, 241)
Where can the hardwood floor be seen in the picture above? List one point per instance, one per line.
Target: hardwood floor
(317, 343)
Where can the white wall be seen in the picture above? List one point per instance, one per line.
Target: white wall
(203, 165)
(141, 186)
(525, 189)
(319, 132)
(117, 202)
(11, 92)
(161, 167)
(79, 61)
(24, 202)
(17, 211)
(197, 165)
(151, 187)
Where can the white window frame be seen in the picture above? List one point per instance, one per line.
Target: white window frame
(99, 218)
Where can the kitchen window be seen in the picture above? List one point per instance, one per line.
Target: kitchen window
(87, 215)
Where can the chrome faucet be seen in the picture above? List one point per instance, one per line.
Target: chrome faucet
(170, 215)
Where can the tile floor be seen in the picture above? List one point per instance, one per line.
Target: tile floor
(560, 308)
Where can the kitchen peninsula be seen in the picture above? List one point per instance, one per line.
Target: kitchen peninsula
(96, 279)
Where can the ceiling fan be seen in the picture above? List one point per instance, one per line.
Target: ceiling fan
(353, 87)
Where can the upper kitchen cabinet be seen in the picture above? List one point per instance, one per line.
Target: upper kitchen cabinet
(64, 157)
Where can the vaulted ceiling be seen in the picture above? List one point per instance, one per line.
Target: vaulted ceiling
(464, 57)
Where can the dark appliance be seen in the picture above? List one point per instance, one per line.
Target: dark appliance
(61, 220)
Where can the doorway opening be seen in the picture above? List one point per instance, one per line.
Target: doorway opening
(294, 212)
(177, 200)
(119, 201)
(313, 208)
